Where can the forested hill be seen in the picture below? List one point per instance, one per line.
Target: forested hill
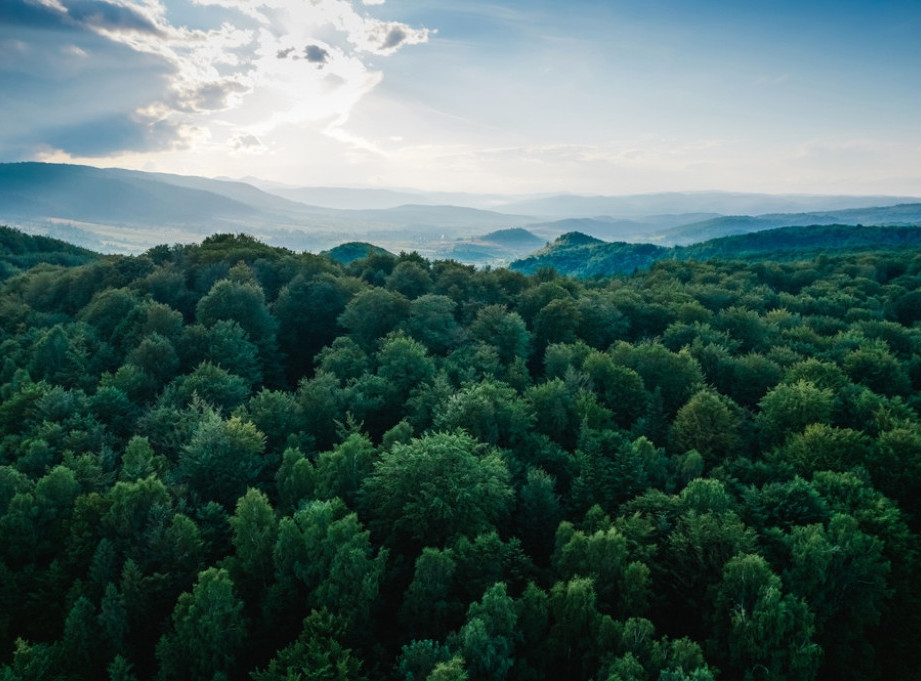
(19, 251)
(906, 214)
(579, 255)
(232, 461)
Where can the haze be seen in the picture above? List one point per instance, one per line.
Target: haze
(510, 97)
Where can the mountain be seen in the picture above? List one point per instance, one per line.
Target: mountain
(354, 250)
(40, 190)
(515, 238)
(620, 229)
(724, 203)
(430, 216)
(369, 198)
(20, 251)
(900, 214)
(791, 243)
(117, 210)
(584, 256)
(581, 255)
(497, 248)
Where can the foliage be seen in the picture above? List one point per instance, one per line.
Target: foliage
(230, 461)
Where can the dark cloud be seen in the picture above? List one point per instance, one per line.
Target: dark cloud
(109, 16)
(208, 97)
(77, 14)
(285, 53)
(316, 54)
(396, 36)
(22, 13)
(109, 135)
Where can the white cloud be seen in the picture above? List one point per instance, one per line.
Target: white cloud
(272, 63)
(74, 51)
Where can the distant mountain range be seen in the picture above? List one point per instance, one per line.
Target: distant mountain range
(677, 203)
(115, 210)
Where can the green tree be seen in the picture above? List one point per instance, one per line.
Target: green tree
(243, 302)
(344, 359)
(214, 385)
(575, 626)
(404, 364)
(307, 309)
(340, 472)
(538, 515)
(506, 331)
(156, 356)
(255, 529)
(208, 631)
(296, 480)
(432, 322)
(677, 375)
(229, 347)
(319, 654)
(490, 411)
(436, 488)
(788, 409)
(372, 314)
(418, 659)
(842, 573)
(325, 556)
(711, 424)
(430, 607)
(763, 632)
(619, 388)
(487, 640)
(409, 278)
(222, 459)
(321, 401)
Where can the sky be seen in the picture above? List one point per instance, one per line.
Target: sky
(514, 97)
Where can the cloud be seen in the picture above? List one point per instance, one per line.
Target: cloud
(316, 54)
(97, 78)
(395, 37)
(74, 51)
(76, 15)
(247, 142)
(210, 96)
(110, 16)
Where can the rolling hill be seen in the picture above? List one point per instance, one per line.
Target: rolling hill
(900, 214)
(125, 211)
(584, 256)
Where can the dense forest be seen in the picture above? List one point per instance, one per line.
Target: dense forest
(229, 461)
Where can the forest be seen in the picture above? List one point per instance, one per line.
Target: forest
(229, 461)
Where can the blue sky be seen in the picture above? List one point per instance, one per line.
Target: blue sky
(606, 97)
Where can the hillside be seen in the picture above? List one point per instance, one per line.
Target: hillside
(352, 251)
(129, 211)
(515, 237)
(583, 256)
(901, 214)
(580, 255)
(37, 190)
(19, 252)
